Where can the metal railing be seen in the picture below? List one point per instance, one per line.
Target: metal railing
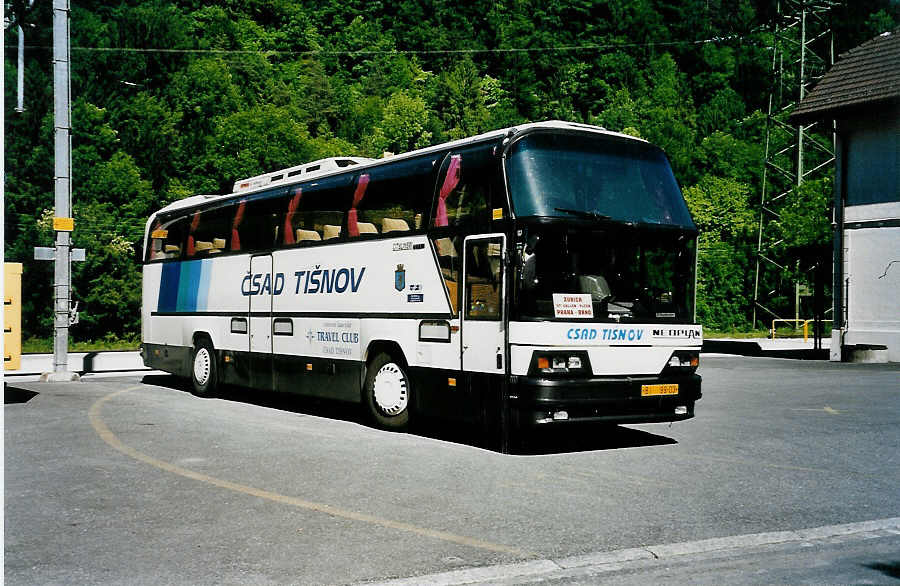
(797, 321)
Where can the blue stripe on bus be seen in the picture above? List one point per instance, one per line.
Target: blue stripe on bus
(188, 285)
(168, 287)
(203, 289)
(184, 286)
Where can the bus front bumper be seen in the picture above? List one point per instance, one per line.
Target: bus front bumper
(611, 400)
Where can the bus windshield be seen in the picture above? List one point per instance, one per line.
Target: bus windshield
(571, 175)
(630, 274)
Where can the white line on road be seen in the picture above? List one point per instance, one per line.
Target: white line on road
(612, 560)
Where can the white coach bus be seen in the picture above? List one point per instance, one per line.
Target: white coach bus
(533, 276)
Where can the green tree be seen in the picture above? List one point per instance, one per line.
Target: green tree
(805, 219)
(404, 123)
(720, 208)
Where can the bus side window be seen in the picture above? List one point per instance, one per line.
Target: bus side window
(449, 261)
(391, 199)
(314, 212)
(462, 197)
(167, 239)
(483, 279)
(210, 231)
(261, 225)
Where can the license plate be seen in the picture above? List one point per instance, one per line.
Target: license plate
(652, 390)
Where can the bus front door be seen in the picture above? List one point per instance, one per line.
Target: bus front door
(260, 318)
(483, 334)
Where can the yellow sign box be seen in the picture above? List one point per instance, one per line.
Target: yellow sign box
(12, 316)
(63, 224)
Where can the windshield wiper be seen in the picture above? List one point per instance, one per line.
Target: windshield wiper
(585, 214)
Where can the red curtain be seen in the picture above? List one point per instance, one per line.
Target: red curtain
(289, 218)
(450, 183)
(352, 227)
(235, 224)
(195, 221)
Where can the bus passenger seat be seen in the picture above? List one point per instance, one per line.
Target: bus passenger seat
(494, 257)
(445, 247)
(172, 250)
(367, 228)
(218, 244)
(331, 231)
(307, 235)
(394, 225)
(203, 246)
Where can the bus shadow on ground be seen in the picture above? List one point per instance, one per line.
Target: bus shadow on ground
(544, 442)
(282, 401)
(564, 439)
(590, 438)
(890, 569)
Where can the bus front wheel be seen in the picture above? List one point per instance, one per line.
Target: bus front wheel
(387, 392)
(204, 375)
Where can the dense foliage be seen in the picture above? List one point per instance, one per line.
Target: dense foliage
(175, 98)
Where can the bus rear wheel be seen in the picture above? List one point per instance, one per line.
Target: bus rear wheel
(204, 375)
(387, 392)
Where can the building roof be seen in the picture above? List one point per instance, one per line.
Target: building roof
(863, 76)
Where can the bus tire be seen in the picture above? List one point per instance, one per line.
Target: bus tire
(204, 372)
(387, 392)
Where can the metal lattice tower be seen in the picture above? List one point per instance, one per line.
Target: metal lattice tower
(802, 51)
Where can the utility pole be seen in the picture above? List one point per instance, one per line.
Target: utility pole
(803, 50)
(63, 223)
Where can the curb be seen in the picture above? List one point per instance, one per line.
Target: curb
(612, 560)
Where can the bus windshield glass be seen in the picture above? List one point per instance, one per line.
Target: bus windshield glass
(573, 175)
(628, 274)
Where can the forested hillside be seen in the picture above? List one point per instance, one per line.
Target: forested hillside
(176, 98)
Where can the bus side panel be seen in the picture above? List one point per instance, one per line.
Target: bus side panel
(172, 359)
(318, 377)
(471, 398)
(149, 295)
(162, 345)
(235, 368)
(384, 277)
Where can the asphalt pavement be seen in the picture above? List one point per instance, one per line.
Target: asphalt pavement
(134, 480)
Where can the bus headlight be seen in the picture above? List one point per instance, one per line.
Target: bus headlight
(559, 362)
(682, 361)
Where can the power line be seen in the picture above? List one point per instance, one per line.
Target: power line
(363, 52)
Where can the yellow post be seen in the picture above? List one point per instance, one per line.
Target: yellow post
(12, 315)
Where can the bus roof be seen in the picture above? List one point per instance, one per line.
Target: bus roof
(338, 165)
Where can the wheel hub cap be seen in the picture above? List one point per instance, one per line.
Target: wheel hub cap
(202, 362)
(390, 389)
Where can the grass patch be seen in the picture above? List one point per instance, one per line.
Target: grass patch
(45, 345)
(709, 333)
(785, 332)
